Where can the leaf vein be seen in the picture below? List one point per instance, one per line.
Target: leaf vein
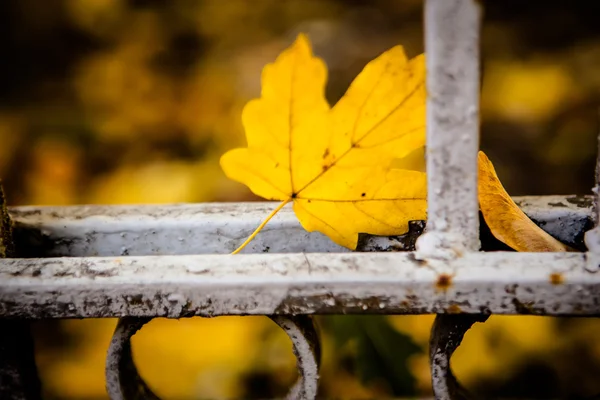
(318, 176)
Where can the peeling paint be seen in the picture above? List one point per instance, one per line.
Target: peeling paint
(319, 283)
(111, 231)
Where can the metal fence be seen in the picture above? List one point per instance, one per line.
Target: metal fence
(140, 262)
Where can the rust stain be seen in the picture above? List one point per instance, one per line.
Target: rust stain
(557, 278)
(444, 281)
(453, 309)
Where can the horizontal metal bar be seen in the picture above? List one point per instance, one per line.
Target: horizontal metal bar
(219, 228)
(305, 283)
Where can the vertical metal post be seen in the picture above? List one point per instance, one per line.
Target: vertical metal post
(592, 237)
(452, 30)
(452, 47)
(18, 372)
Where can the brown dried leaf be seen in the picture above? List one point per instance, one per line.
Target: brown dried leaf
(505, 219)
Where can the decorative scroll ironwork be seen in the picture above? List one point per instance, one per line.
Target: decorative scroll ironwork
(446, 335)
(307, 349)
(123, 381)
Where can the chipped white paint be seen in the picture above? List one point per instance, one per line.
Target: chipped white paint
(452, 30)
(592, 238)
(452, 48)
(218, 228)
(265, 284)
(307, 351)
(207, 228)
(123, 381)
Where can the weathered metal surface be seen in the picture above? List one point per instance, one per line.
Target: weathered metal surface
(446, 335)
(218, 228)
(452, 47)
(592, 237)
(208, 228)
(567, 218)
(18, 372)
(452, 30)
(307, 349)
(6, 234)
(264, 284)
(123, 381)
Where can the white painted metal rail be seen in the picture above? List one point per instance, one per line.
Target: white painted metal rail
(168, 261)
(140, 262)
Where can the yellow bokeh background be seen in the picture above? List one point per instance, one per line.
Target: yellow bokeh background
(116, 101)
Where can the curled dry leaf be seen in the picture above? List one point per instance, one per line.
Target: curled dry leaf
(505, 219)
(339, 166)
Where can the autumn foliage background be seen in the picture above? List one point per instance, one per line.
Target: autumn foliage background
(116, 101)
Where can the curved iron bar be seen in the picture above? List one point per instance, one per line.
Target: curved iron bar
(446, 335)
(123, 381)
(307, 349)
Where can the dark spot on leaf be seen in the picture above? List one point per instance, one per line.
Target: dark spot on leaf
(363, 194)
(326, 153)
(294, 195)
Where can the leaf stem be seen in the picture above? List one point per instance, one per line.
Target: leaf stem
(262, 225)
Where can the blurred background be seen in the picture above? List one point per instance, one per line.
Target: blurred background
(134, 101)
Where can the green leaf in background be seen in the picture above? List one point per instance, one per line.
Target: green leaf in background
(380, 353)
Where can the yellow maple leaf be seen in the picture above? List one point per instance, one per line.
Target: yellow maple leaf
(505, 219)
(337, 165)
